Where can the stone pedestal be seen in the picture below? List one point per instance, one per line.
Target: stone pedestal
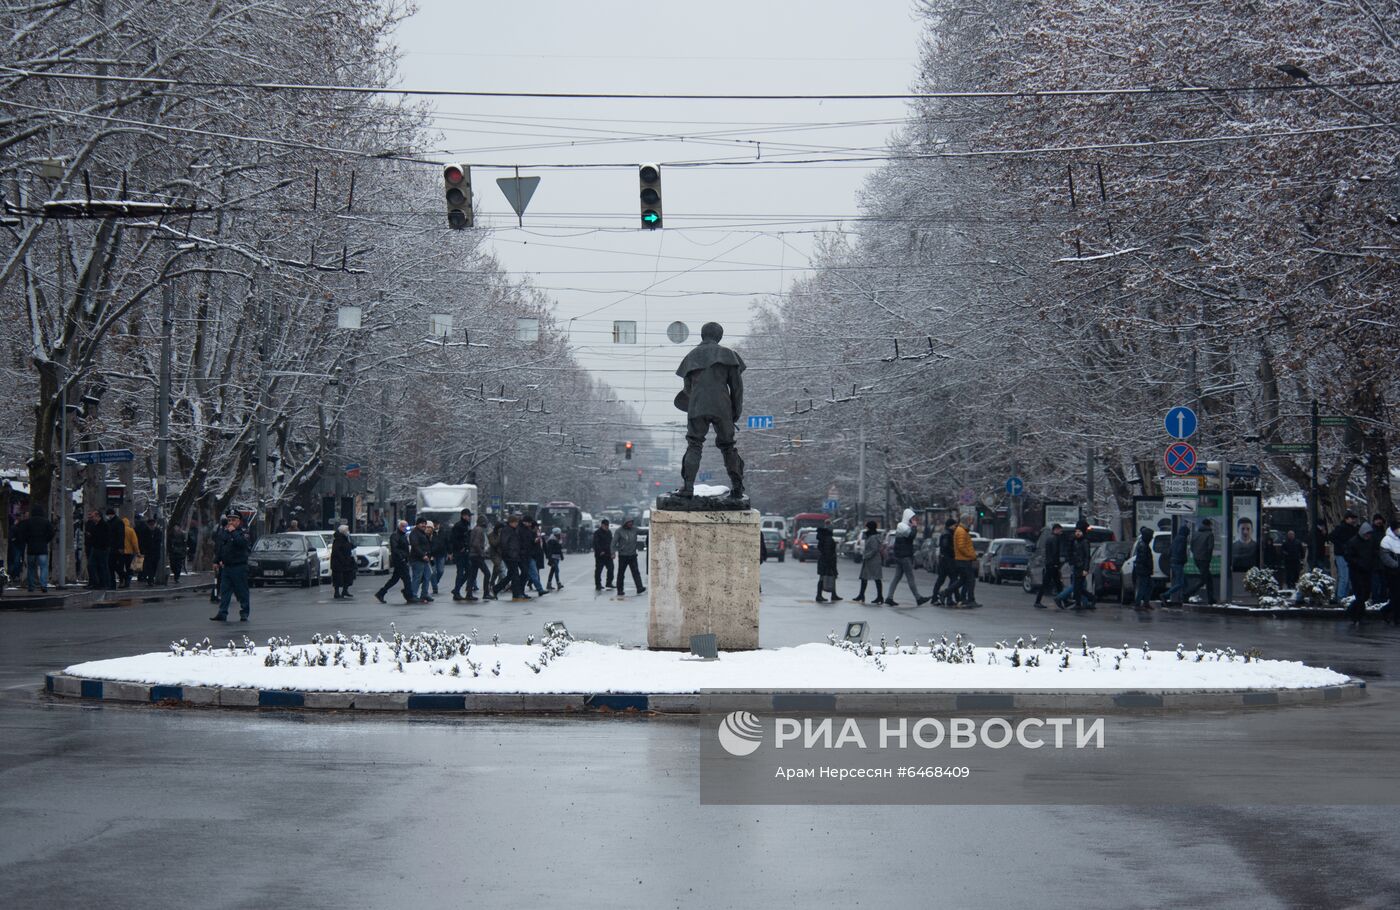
(704, 578)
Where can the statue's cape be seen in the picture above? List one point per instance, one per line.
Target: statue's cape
(706, 355)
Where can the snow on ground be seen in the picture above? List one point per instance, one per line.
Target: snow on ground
(587, 667)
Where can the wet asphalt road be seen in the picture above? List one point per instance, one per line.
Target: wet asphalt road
(153, 807)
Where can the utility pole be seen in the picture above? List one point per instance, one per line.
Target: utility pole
(860, 481)
(65, 502)
(1089, 480)
(264, 352)
(167, 324)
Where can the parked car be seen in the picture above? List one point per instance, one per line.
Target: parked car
(805, 547)
(1106, 568)
(371, 553)
(322, 540)
(777, 547)
(1161, 546)
(1006, 557)
(853, 547)
(290, 558)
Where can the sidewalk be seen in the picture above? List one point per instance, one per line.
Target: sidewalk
(80, 597)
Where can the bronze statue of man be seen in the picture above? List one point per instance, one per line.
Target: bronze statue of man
(713, 396)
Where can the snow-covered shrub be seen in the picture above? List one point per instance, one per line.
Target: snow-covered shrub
(1316, 588)
(1261, 583)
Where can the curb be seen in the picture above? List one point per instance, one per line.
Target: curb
(903, 701)
(89, 600)
(1333, 613)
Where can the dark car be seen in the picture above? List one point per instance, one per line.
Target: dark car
(1106, 568)
(777, 547)
(1006, 558)
(285, 559)
(805, 545)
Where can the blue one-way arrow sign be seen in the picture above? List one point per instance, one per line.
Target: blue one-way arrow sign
(1181, 423)
(1015, 486)
(760, 421)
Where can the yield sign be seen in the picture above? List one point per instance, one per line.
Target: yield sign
(518, 191)
(1180, 458)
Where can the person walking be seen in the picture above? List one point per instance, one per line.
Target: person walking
(217, 541)
(554, 553)
(92, 529)
(905, 534)
(342, 562)
(602, 554)
(1380, 590)
(232, 563)
(1050, 572)
(826, 565)
(420, 561)
(399, 563)
(1143, 558)
(129, 550)
(1202, 549)
(460, 546)
(99, 533)
(1292, 559)
(871, 564)
(534, 555)
(515, 550)
(625, 545)
(965, 561)
(1180, 548)
(148, 535)
(947, 568)
(35, 534)
(440, 538)
(481, 559)
(1076, 552)
(1340, 537)
(1390, 564)
(1358, 554)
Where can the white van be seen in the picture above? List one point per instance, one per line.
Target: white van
(775, 523)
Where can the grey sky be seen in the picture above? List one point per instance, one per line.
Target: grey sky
(581, 242)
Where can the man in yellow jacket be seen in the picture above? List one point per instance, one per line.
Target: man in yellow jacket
(965, 559)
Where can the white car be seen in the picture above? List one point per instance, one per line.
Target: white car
(371, 553)
(1161, 546)
(323, 548)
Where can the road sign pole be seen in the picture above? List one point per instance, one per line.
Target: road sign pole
(65, 502)
(860, 481)
(1312, 491)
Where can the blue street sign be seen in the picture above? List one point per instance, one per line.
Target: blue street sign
(106, 456)
(1180, 458)
(1015, 486)
(1180, 423)
(760, 421)
(1242, 470)
(831, 505)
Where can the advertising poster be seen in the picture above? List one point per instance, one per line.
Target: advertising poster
(1244, 531)
(1065, 514)
(1210, 504)
(1150, 512)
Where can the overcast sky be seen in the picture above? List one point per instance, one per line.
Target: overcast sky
(731, 234)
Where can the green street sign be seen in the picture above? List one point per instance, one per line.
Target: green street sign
(1289, 448)
(1335, 420)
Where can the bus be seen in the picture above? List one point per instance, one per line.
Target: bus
(568, 518)
(806, 520)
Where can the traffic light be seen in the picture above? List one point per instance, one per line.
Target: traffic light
(457, 186)
(627, 449)
(650, 178)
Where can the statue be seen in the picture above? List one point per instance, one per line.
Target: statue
(713, 397)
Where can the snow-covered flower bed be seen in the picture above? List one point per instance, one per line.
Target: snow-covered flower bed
(441, 662)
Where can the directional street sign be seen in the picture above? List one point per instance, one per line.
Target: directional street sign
(831, 505)
(1180, 458)
(1181, 423)
(1179, 505)
(106, 456)
(967, 497)
(1015, 486)
(518, 191)
(1289, 448)
(1334, 420)
(1242, 470)
(760, 421)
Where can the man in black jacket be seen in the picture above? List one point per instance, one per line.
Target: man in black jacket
(462, 555)
(1340, 537)
(420, 561)
(946, 570)
(232, 563)
(1050, 574)
(36, 533)
(1202, 549)
(515, 549)
(602, 555)
(97, 538)
(116, 540)
(398, 561)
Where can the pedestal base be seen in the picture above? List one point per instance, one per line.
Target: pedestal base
(704, 578)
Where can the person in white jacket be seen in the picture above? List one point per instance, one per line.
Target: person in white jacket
(1390, 567)
(906, 534)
